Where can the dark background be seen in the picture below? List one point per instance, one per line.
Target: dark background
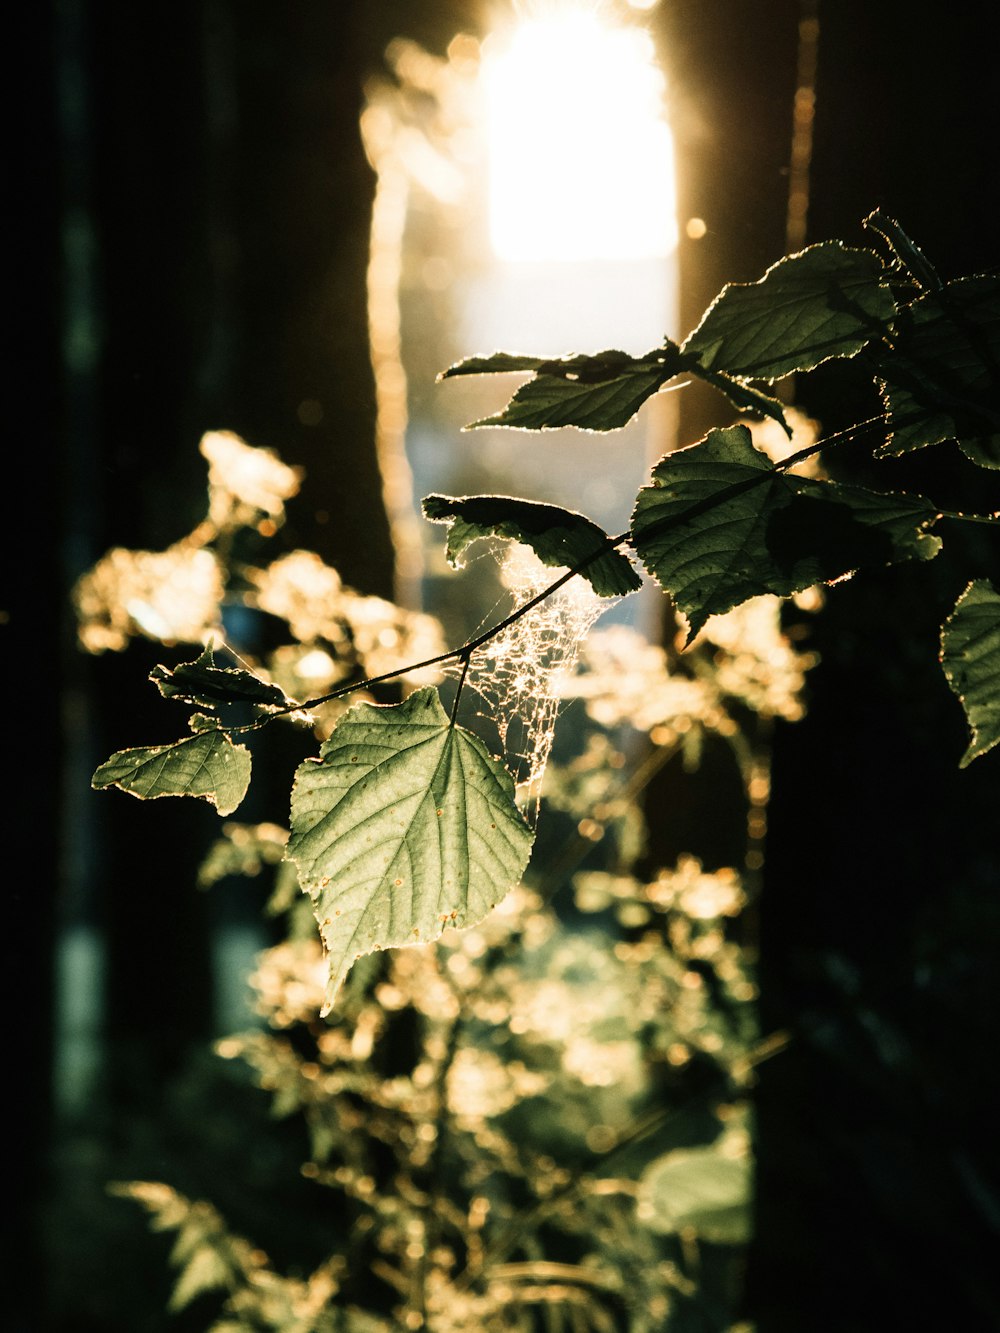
(192, 207)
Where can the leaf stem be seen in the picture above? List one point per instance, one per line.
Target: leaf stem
(466, 658)
(992, 519)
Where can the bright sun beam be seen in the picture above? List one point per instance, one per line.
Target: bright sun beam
(581, 157)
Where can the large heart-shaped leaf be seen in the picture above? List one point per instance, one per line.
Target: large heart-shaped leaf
(404, 825)
(720, 524)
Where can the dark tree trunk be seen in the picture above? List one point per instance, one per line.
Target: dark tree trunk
(198, 203)
(881, 922)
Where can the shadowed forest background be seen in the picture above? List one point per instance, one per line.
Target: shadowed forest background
(195, 207)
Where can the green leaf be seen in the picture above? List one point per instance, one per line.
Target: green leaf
(744, 396)
(985, 451)
(497, 363)
(207, 765)
(720, 524)
(590, 367)
(826, 301)
(970, 656)
(941, 380)
(701, 1189)
(204, 684)
(598, 393)
(403, 826)
(207, 1270)
(559, 537)
(907, 253)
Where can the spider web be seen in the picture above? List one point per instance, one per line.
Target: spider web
(517, 674)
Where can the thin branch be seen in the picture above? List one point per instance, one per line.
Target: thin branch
(465, 651)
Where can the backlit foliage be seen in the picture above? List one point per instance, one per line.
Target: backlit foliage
(542, 1121)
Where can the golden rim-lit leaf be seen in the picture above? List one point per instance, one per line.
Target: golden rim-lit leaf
(404, 825)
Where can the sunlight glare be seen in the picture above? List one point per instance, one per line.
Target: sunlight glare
(581, 157)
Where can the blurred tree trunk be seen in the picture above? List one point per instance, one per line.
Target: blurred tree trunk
(201, 245)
